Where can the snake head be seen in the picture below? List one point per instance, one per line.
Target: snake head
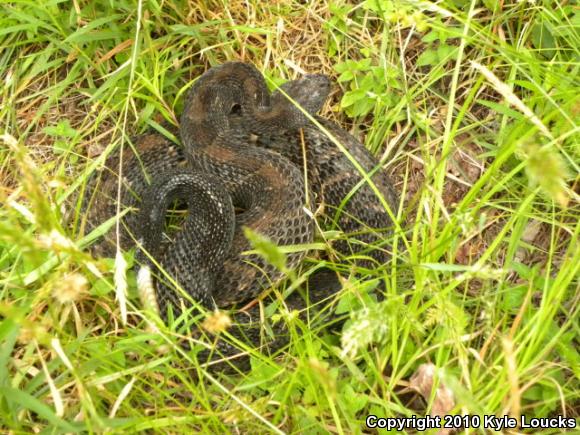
(232, 102)
(220, 100)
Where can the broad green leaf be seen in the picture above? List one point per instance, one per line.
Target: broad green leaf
(266, 248)
(428, 57)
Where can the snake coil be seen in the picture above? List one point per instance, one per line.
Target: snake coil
(243, 150)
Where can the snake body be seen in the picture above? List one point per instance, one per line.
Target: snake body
(242, 149)
(350, 203)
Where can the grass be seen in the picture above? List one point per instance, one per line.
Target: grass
(472, 107)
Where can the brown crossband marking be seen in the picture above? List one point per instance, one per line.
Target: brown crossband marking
(221, 154)
(272, 176)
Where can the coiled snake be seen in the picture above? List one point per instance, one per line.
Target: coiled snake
(243, 149)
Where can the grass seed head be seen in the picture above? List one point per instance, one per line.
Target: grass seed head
(72, 288)
(216, 322)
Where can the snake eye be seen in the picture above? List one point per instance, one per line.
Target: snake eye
(236, 109)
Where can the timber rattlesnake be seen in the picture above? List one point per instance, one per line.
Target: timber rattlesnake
(243, 149)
